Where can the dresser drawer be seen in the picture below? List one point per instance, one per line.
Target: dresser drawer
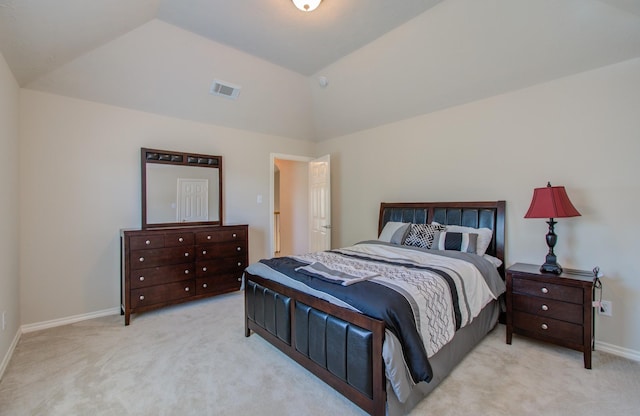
(146, 242)
(548, 290)
(162, 293)
(214, 251)
(178, 239)
(547, 327)
(142, 259)
(160, 240)
(564, 311)
(160, 275)
(221, 235)
(226, 264)
(220, 283)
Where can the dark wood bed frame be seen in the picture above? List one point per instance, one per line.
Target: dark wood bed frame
(302, 326)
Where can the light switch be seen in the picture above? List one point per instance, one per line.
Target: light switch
(259, 199)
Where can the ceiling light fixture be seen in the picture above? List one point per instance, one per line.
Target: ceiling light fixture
(307, 5)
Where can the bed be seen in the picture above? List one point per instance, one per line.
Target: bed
(313, 307)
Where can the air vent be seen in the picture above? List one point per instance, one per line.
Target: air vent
(224, 89)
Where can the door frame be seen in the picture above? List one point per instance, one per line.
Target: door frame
(272, 161)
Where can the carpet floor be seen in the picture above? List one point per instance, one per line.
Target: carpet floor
(193, 359)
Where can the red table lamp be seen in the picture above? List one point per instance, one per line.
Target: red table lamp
(551, 202)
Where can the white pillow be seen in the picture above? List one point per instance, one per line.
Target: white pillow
(484, 236)
(394, 232)
(496, 261)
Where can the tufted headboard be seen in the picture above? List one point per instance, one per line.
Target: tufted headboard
(489, 214)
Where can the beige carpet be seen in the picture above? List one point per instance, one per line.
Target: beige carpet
(193, 359)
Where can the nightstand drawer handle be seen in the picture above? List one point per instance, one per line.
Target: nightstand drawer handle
(186, 289)
(204, 285)
(544, 290)
(142, 278)
(141, 297)
(544, 326)
(545, 308)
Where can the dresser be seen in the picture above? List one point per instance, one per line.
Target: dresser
(163, 267)
(552, 308)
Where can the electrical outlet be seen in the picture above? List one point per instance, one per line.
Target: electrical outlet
(606, 308)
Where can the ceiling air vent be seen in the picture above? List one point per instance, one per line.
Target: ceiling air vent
(224, 89)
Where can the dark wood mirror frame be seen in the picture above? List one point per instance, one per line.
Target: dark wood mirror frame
(165, 157)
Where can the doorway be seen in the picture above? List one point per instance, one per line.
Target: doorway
(293, 221)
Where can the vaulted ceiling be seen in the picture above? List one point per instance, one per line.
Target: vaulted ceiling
(385, 60)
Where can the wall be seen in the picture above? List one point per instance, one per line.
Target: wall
(79, 169)
(580, 132)
(9, 214)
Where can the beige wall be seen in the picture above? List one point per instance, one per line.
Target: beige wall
(9, 215)
(80, 175)
(580, 132)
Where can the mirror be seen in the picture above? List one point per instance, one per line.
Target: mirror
(180, 189)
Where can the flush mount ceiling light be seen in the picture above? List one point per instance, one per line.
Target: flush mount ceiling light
(307, 5)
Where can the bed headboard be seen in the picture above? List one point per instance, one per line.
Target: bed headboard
(488, 214)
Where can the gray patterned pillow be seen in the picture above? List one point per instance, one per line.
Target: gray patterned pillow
(421, 235)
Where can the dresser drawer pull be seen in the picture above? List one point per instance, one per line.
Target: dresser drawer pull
(544, 326)
(235, 235)
(186, 272)
(239, 249)
(239, 279)
(208, 237)
(239, 264)
(186, 254)
(141, 297)
(186, 289)
(204, 251)
(204, 285)
(147, 242)
(544, 307)
(204, 269)
(544, 290)
(181, 239)
(141, 259)
(142, 278)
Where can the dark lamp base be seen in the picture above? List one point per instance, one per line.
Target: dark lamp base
(552, 268)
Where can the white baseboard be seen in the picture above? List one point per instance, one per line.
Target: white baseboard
(619, 351)
(9, 354)
(68, 320)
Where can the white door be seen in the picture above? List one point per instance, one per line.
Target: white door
(193, 200)
(320, 204)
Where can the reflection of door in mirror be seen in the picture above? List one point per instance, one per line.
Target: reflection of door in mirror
(180, 188)
(193, 200)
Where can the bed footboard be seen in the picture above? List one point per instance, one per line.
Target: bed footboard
(340, 346)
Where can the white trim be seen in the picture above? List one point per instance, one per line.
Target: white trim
(69, 320)
(9, 354)
(619, 351)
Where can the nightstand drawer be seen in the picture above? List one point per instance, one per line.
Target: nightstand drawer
(563, 311)
(547, 327)
(548, 290)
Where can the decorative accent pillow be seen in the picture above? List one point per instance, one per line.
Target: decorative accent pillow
(484, 236)
(421, 235)
(394, 232)
(447, 240)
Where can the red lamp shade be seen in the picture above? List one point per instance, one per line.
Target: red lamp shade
(551, 202)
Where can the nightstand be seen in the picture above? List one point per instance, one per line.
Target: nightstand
(552, 308)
